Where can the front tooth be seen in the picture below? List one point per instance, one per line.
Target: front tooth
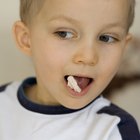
(72, 83)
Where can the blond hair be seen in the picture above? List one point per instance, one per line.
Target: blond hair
(30, 8)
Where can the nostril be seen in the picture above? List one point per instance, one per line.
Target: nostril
(88, 58)
(87, 54)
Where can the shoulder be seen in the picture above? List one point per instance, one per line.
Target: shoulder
(7, 91)
(3, 87)
(127, 125)
(8, 99)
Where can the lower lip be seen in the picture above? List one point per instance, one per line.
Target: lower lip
(82, 93)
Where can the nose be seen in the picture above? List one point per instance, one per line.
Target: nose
(86, 54)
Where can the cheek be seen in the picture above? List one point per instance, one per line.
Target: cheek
(108, 67)
(110, 62)
(49, 59)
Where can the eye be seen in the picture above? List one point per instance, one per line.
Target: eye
(65, 34)
(107, 38)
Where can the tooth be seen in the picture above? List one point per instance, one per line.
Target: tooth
(72, 83)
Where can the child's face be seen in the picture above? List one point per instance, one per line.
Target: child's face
(84, 38)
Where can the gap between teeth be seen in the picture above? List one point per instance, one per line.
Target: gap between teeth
(72, 83)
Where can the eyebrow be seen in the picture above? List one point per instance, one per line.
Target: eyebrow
(65, 18)
(75, 21)
(115, 24)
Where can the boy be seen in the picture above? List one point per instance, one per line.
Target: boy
(76, 47)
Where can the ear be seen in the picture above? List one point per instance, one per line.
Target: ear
(22, 37)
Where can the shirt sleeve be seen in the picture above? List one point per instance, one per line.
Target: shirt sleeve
(127, 126)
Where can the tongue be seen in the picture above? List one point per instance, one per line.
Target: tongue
(82, 81)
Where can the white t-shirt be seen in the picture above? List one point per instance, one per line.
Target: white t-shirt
(21, 119)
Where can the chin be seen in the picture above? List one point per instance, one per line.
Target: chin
(76, 106)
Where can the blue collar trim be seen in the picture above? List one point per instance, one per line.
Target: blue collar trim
(43, 109)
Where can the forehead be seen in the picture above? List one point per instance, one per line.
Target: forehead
(85, 9)
(85, 3)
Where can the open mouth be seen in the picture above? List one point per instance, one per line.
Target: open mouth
(78, 83)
